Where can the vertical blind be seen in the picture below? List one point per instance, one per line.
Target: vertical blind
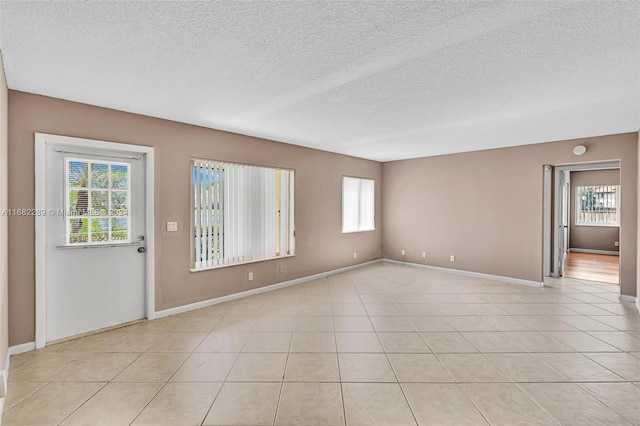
(358, 204)
(242, 213)
(598, 205)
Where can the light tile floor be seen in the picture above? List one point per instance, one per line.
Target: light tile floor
(386, 344)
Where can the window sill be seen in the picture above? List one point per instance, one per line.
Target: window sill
(228, 265)
(355, 232)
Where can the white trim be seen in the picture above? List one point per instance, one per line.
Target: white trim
(596, 165)
(40, 247)
(638, 303)
(627, 298)
(41, 139)
(5, 378)
(4, 383)
(150, 232)
(472, 274)
(608, 252)
(22, 348)
(217, 300)
(546, 220)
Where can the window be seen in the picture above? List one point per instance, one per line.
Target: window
(96, 202)
(241, 214)
(598, 205)
(358, 206)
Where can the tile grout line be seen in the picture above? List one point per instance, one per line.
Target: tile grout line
(284, 373)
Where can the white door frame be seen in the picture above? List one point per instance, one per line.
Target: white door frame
(551, 245)
(546, 220)
(41, 140)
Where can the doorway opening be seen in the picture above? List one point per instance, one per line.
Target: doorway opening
(582, 221)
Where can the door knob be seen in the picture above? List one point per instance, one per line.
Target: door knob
(141, 249)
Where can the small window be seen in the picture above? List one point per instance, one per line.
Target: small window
(242, 213)
(598, 205)
(97, 195)
(358, 204)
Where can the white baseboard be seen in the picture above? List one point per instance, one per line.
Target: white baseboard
(625, 298)
(4, 374)
(3, 384)
(471, 274)
(22, 348)
(217, 300)
(5, 378)
(608, 252)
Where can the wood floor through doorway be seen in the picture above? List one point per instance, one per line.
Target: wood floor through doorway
(594, 267)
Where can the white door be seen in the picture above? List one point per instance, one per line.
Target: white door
(95, 242)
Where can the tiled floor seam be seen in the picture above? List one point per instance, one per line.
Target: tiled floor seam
(631, 421)
(539, 404)
(87, 400)
(284, 373)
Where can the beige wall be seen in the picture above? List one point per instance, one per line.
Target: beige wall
(4, 277)
(320, 245)
(485, 207)
(592, 237)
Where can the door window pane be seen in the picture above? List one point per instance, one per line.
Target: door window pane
(99, 230)
(78, 231)
(119, 176)
(99, 175)
(119, 229)
(97, 201)
(77, 174)
(119, 203)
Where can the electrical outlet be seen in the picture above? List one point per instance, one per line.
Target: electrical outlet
(403, 252)
(282, 268)
(617, 244)
(424, 254)
(172, 226)
(355, 254)
(250, 277)
(452, 258)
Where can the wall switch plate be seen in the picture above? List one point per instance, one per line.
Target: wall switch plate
(452, 258)
(424, 254)
(172, 226)
(250, 277)
(355, 254)
(617, 243)
(403, 252)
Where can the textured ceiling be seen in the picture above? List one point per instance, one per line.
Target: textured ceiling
(378, 80)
